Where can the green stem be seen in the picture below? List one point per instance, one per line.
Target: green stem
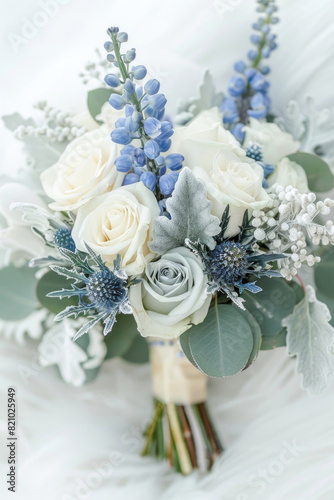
(152, 427)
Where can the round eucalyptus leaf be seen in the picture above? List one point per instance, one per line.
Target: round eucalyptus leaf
(138, 352)
(184, 341)
(274, 341)
(272, 305)
(17, 293)
(319, 176)
(122, 336)
(51, 282)
(222, 344)
(95, 100)
(256, 332)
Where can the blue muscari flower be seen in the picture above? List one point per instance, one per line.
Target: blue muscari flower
(120, 122)
(116, 101)
(152, 87)
(139, 92)
(166, 130)
(252, 54)
(129, 87)
(152, 127)
(111, 58)
(109, 46)
(138, 170)
(162, 170)
(121, 136)
(237, 85)
(258, 83)
(149, 179)
(174, 161)
(122, 37)
(132, 123)
(139, 157)
(156, 101)
(160, 161)
(130, 179)
(167, 183)
(255, 38)
(250, 73)
(265, 70)
(267, 168)
(151, 149)
(124, 163)
(230, 110)
(130, 55)
(62, 238)
(237, 131)
(127, 150)
(266, 52)
(112, 80)
(239, 66)
(139, 72)
(258, 106)
(162, 206)
(254, 151)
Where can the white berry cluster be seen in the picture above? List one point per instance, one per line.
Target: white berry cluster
(58, 126)
(287, 227)
(95, 70)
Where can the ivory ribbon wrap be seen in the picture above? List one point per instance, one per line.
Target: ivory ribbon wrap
(175, 379)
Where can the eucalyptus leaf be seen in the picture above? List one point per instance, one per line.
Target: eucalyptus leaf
(184, 341)
(221, 346)
(311, 338)
(270, 306)
(17, 293)
(190, 214)
(256, 332)
(51, 282)
(122, 336)
(319, 176)
(138, 352)
(95, 100)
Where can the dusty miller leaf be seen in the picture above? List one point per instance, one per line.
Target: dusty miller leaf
(190, 214)
(310, 337)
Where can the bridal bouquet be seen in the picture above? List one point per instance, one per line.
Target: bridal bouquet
(189, 237)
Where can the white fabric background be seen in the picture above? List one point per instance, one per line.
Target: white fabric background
(66, 433)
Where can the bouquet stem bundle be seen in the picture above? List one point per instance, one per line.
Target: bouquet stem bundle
(181, 432)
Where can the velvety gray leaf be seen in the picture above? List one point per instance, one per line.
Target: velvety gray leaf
(190, 217)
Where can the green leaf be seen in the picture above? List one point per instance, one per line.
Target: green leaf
(95, 100)
(311, 338)
(138, 352)
(274, 341)
(184, 341)
(270, 306)
(17, 293)
(256, 332)
(324, 272)
(122, 336)
(319, 176)
(191, 217)
(222, 344)
(50, 282)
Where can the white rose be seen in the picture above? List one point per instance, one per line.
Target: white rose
(234, 182)
(289, 173)
(86, 169)
(202, 138)
(274, 141)
(119, 222)
(172, 296)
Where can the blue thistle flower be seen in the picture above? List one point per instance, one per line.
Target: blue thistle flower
(228, 262)
(63, 238)
(104, 289)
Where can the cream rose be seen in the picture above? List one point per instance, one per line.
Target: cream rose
(202, 138)
(289, 173)
(234, 182)
(119, 222)
(274, 141)
(86, 169)
(172, 295)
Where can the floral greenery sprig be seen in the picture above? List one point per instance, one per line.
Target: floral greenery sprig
(248, 89)
(231, 263)
(102, 293)
(143, 123)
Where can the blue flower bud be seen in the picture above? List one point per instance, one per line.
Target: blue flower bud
(237, 131)
(167, 184)
(266, 52)
(164, 144)
(151, 149)
(139, 72)
(258, 105)
(120, 136)
(162, 170)
(152, 127)
(160, 114)
(265, 29)
(126, 97)
(166, 130)
(128, 110)
(274, 20)
(127, 150)
(267, 169)
(139, 158)
(265, 70)
(240, 66)
(112, 80)
(109, 46)
(122, 37)
(139, 170)
(255, 38)
(131, 125)
(237, 85)
(139, 92)
(162, 206)
(160, 161)
(149, 179)
(111, 57)
(258, 83)
(157, 101)
(174, 161)
(129, 87)
(130, 55)
(229, 110)
(252, 54)
(112, 30)
(116, 101)
(124, 163)
(130, 179)
(152, 86)
(120, 122)
(249, 73)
